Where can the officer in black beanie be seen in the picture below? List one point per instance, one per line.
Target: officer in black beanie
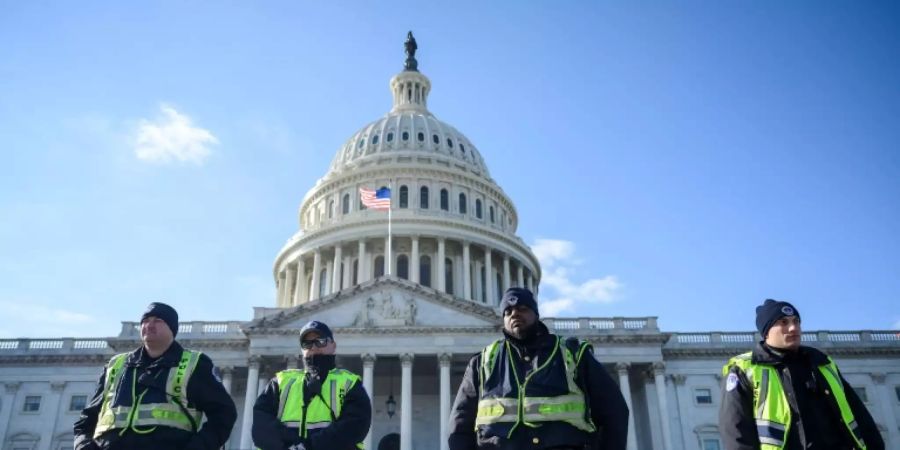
(528, 351)
(176, 404)
(804, 378)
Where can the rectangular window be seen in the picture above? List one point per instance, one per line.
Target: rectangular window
(77, 402)
(711, 444)
(32, 403)
(861, 393)
(703, 396)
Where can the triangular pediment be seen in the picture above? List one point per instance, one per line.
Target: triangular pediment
(386, 303)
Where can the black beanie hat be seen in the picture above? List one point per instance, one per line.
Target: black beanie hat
(518, 296)
(770, 311)
(164, 312)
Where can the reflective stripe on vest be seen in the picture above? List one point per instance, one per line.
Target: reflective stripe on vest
(530, 411)
(151, 415)
(322, 409)
(771, 409)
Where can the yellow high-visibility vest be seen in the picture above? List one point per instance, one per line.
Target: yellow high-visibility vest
(771, 409)
(531, 411)
(170, 414)
(322, 409)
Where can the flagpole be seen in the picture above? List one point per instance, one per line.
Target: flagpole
(389, 243)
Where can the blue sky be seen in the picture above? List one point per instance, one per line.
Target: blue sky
(676, 159)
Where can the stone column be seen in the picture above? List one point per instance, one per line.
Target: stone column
(625, 387)
(368, 360)
(9, 402)
(362, 267)
(414, 260)
(249, 401)
(441, 265)
(314, 285)
(227, 377)
(53, 401)
(301, 293)
(659, 370)
(388, 258)
(406, 362)
(520, 276)
(886, 399)
(279, 289)
(466, 273)
(290, 276)
(444, 360)
(528, 279)
(329, 271)
(478, 291)
(506, 277)
(489, 277)
(336, 271)
(348, 272)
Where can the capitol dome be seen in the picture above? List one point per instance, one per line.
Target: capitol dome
(452, 228)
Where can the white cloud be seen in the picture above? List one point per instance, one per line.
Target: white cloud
(560, 292)
(44, 319)
(172, 137)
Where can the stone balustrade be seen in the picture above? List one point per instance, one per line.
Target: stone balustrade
(601, 325)
(817, 338)
(192, 330)
(74, 346)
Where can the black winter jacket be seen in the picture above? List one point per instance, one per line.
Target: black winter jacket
(344, 433)
(605, 401)
(204, 393)
(815, 418)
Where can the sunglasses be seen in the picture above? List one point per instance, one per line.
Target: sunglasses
(318, 342)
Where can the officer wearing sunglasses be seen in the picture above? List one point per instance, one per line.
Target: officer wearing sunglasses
(315, 408)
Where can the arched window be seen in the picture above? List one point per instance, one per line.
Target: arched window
(379, 266)
(404, 196)
(403, 267)
(435, 139)
(405, 135)
(491, 211)
(390, 136)
(478, 208)
(450, 142)
(448, 275)
(345, 204)
(421, 136)
(462, 203)
(423, 197)
(323, 278)
(425, 271)
(375, 139)
(445, 200)
(330, 209)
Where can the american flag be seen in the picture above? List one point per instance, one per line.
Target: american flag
(379, 200)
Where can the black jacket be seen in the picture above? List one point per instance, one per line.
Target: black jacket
(344, 433)
(607, 406)
(815, 418)
(204, 393)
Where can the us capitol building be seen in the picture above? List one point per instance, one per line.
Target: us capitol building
(410, 330)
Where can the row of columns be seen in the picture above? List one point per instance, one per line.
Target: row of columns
(293, 289)
(368, 380)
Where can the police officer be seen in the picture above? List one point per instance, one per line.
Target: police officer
(783, 395)
(320, 407)
(535, 390)
(156, 396)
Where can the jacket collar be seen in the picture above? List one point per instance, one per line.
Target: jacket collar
(170, 358)
(763, 354)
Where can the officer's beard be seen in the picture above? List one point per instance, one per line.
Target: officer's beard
(523, 335)
(319, 365)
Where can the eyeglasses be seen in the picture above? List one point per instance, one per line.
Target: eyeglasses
(318, 342)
